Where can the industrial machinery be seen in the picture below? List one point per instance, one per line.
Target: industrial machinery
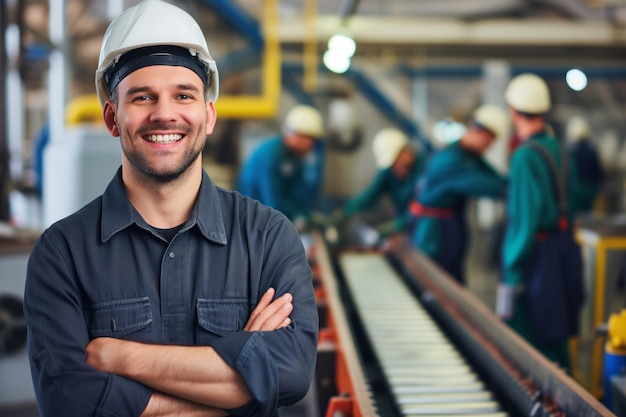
(409, 341)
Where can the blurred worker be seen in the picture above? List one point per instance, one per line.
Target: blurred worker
(541, 292)
(286, 172)
(167, 295)
(452, 176)
(589, 168)
(399, 166)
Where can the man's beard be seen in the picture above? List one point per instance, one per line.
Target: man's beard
(142, 165)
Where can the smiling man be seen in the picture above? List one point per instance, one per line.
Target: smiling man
(167, 295)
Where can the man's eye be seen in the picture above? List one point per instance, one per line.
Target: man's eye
(184, 97)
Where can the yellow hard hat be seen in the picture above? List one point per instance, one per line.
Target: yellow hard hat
(492, 118)
(387, 145)
(305, 120)
(528, 93)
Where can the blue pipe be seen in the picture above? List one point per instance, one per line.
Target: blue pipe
(239, 60)
(387, 107)
(294, 85)
(246, 25)
(477, 71)
(370, 91)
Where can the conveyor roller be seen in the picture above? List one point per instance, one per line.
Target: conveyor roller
(425, 372)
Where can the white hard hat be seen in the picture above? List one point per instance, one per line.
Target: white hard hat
(577, 129)
(154, 23)
(528, 93)
(387, 145)
(492, 118)
(305, 120)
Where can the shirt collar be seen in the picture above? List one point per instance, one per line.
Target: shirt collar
(118, 213)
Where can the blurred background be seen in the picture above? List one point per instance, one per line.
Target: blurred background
(421, 66)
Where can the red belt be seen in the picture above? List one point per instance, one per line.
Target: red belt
(417, 209)
(563, 226)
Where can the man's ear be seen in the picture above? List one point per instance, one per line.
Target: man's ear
(211, 117)
(109, 116)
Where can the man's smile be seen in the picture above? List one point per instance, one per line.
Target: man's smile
(170, 138)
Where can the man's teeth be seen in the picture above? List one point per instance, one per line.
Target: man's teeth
(164, 138)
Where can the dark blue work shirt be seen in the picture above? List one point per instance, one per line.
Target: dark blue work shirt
(104, 272)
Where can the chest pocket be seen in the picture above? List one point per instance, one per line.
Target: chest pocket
(218, 317)
(119, 318)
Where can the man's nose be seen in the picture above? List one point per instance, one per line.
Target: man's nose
(163, 110)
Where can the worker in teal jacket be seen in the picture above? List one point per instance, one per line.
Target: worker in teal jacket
(542, 290)
(452, 176)
(399, 165)
(286, 172)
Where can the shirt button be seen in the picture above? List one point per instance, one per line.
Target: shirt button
(172, 255)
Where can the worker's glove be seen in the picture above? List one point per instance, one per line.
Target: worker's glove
(387, 228)
(505, 300)
(367, 236)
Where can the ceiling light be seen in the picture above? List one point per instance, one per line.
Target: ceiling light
(342, 44)
(576, 79)
(336, 62)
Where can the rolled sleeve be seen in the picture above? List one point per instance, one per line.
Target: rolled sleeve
(64, 384)
(278, 366)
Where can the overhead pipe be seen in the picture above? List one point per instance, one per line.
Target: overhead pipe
(310, 57)
(246, 26)
(292, 82)
(387, 107)
(264, 105)
(461, 71)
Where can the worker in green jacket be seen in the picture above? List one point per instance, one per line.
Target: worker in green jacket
(452, 176)
(399, 166)
(541, 292)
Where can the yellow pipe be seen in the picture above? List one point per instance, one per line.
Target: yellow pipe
(596, 355)
(602, 246)
(264, 105)
(310, 46)
(83, 109)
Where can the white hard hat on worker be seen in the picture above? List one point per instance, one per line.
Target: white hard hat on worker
(492, 118)
(529, 94)
(304, 120)
(137, 38)
(387, 144)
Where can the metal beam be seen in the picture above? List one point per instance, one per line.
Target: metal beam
(386, 30)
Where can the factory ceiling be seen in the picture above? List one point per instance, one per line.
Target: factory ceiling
(455, 32)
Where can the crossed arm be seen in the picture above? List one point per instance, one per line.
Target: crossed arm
(188, 380)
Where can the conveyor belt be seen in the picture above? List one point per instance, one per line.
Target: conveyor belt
(412, 342)
(426, 373)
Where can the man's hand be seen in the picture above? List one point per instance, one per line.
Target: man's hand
(103, 353)
(270, 315)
